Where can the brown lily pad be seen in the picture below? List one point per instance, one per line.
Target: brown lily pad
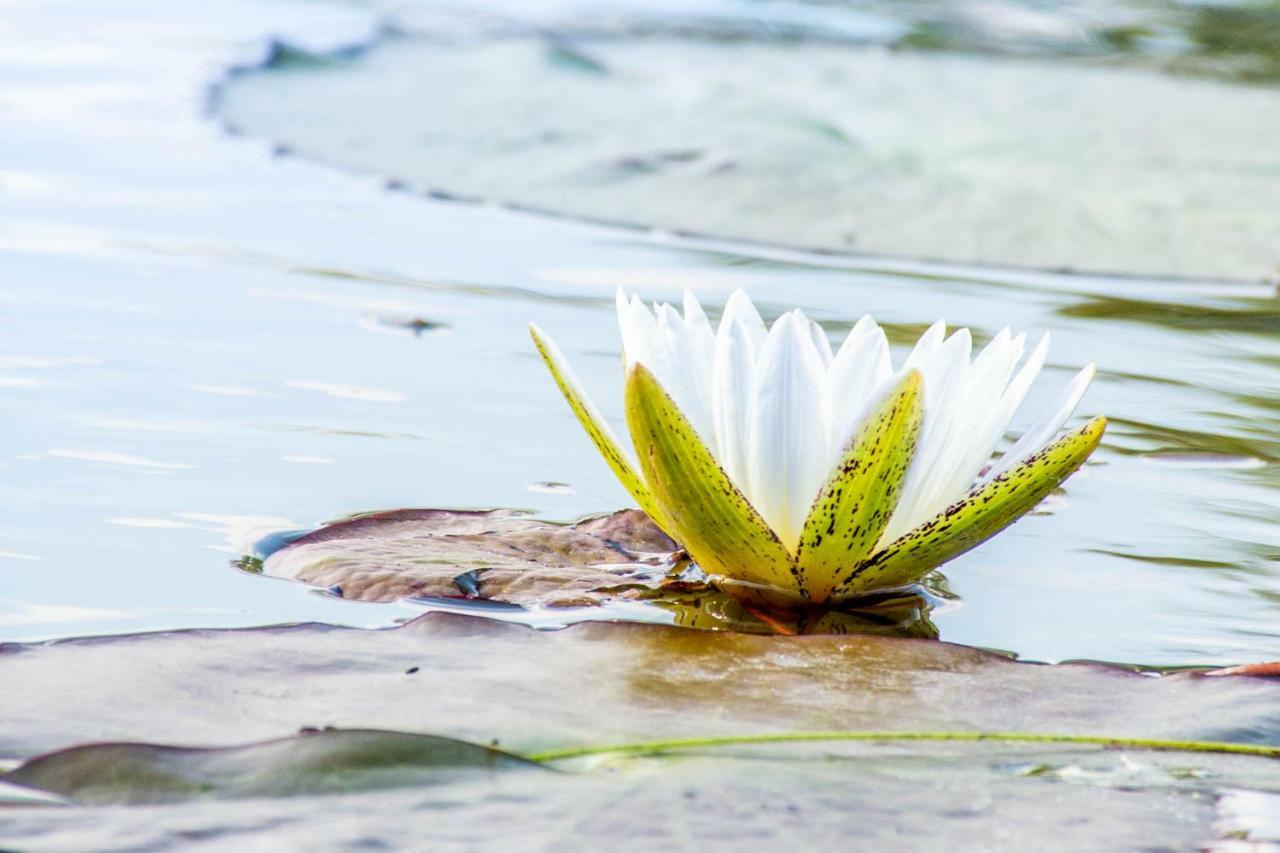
(1265, 669)
(497, 555)
(503, 556)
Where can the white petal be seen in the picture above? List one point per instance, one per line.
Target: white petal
(945, 368)
(680, 373)
(859, 371)
(700, 343)
(857, 336)
(944, 371)
(732, 379)
(741, 308)
(627, 327)
(1021, 384)
(927, 345)
(693, 313)
(638, 331)
(821, 343)
(1013, 395)
(978, 424)
(653, 346)
(1041, 432)
(698, 328)
(787, 461)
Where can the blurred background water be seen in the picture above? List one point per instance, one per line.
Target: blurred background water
(1134, 138)
(204, 336)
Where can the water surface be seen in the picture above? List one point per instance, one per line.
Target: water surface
(202, 339)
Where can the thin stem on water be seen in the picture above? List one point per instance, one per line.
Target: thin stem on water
(656, 747)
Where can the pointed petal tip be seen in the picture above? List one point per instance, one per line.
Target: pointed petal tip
(1087, 436)
(638, 376)
(619, 459)
(541, 339)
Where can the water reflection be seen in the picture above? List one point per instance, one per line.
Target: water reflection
(1259, 316)
(899, 614)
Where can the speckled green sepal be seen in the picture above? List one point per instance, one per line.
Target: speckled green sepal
(978, 516)
(595, 427)
(854, 506)
(709, 516)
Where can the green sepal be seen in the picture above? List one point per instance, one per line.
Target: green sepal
(854, 506)
(977, 517)
(599, 432)
(709, 515)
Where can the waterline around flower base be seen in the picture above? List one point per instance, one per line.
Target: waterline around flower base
(796, 474)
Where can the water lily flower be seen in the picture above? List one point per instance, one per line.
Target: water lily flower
(794, 474)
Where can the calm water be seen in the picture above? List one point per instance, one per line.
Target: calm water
(201, 339)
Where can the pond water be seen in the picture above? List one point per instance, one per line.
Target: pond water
(203, 340)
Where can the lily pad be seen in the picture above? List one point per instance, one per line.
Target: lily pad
(310, 763)
(481, 680)
(501, 556)
(1006, 160)
(873, 797)
(510, 688)
(496, 555)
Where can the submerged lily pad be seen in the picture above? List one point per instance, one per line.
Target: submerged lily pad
(834, 146)
(811, 798)
(310, 763)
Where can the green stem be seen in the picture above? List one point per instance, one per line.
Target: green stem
(656, 747)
